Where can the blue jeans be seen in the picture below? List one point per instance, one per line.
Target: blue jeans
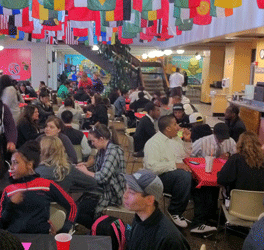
(178, 183)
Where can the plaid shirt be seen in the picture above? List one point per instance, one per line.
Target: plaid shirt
(109, 170)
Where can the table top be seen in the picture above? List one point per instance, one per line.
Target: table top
(198, 171)
(29, 98)
(82, 242)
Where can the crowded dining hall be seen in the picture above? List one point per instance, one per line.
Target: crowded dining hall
(132, 125)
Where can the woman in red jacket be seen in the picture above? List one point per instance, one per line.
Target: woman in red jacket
(85, 82)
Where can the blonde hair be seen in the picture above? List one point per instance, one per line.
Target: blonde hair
(53, 155)
(249, 147)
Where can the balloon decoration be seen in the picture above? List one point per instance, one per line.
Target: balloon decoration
(93, 21)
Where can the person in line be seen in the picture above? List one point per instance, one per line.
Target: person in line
(145, 129)
(165, 109)
(44, 107)
(151, 229)
(55, 127)
(176, 79)
(108, 169)
(27, 126)
(63, 90)
(198, 128)
(85, 82)
(120, 104)
(25, 204)
(181, 118)
(140, 103)
(235, 124)
(77, 137)
(164, 154)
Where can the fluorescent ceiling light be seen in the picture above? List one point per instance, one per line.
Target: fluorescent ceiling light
(168, 52)
(180, 51)
(95, 47)
(144, 56)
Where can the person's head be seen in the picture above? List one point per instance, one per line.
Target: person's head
(84, 75)
(53, 154)
(141, 95)
(9, 241)
(164, 101)
(96, 99)
(30, 113)
(231, 112)
(42, 84)
(67, 83)
(143, 190)
(221, 132)
(168, 125)
(96, 76)
(196, 119)
(153, 110)
(178, 111)
(5, 81)
(67, 116)
(141, 88)
(177, 69)
(249, 147)
(28, 83)
(68, 102)
(44, 96)
(54, 126)
(106, 102)
(22, 87)
(100, 135)
(25, 160)
(124, 93)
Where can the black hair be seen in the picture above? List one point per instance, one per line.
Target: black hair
(22, 84)
(164, 100)
(67, 116)
(43, 83)
(5, 81)
(9, 241)
(141, 88)
(123, 92)
(67, 82)
(164, 122)
(177, 69)
(150, 106)
(27, 114)
(234, 109)
(43, 93)
(68, 102)
(141, 95)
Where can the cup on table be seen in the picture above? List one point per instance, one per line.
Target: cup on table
(209, 160)
(63, 241)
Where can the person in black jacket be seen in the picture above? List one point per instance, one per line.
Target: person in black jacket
(145, 129)
(82, 96)
(181, 118)
(27, 126)
(151, 229)
(140, 103)
(235, 124)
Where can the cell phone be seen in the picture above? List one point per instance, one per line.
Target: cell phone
(194, 162)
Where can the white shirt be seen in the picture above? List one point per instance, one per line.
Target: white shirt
(176, 80)
(134, 96)
(161, 154)
(207, 145)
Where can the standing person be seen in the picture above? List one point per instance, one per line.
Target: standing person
(151, 229)
(28, 125)
(176, 79)
(235, 124)
(120, 104)
(9, 96)
(85, 82)
(184, 85)
(108, 170)
(98, 86)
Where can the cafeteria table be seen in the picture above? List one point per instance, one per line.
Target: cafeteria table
(82, 242)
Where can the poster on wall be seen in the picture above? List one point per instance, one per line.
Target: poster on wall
(16, 63)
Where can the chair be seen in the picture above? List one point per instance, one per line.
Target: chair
(78, 150)
(57, 216)
(245, 208)
(126, 129)
(120, 212)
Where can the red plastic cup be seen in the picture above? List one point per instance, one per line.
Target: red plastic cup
(85, 103)
(27, 96)
(62, 103)
(63, 241)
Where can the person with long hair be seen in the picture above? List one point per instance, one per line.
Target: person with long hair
(54, 127)
(9, 241)
(27, 126)
(245, 169)
(85, 82)
(25, 204)
(108, 169)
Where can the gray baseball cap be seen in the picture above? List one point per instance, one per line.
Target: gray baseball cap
(145, 181)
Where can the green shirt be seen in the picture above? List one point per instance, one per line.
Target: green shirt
(63, 92)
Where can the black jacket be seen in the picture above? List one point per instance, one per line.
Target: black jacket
(200, 131)
(184, 122)
(140, 103)
(236, 128)
(44, 112)
(100, 114)
(155, 233)
(82, 96)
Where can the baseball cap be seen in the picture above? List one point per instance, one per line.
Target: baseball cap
(195, 117)
(221, 131)
(178, 106)
(145, 181)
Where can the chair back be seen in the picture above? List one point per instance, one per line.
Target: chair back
(78, 150)
(246, 205)
(125, 121)
(57, 216)
(111, 112)
(130, 140)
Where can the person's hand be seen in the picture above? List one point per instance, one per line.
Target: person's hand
(89, 114)
(81, 164)
(82, 168)
(186, 133)
(52, 230)
(11, 146)
(17, 198)
(183, 166)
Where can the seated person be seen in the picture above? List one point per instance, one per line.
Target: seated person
(82, 96)
(77, 114)
(28, 211)
(63, 90)
(23, 90)
(77, 137)
(164, 154)
(145, 129)
(44, 107)
(198, 128)
(27, 126)
(219, 144)
(114, 94)
(164, 108)
(181, 118)
(235, 124)
(31, 89)
(85, 82)
(140, 103)
(120, 104)
(9, 242)
(42, 87)
(55, 127)
(156, 98)
(144, 190)
(134, 96)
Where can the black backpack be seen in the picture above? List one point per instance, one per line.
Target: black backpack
(111, 226)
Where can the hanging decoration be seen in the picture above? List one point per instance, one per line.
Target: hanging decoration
(93, 21)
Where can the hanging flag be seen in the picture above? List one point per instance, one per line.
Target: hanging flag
(117, 14)
(202, 16)
(228, 3)
(38, 11)
(15, 4)
(27, 25)
(80, 32)
(187, 24)
(69, 37)
(83, 14)
(54, 4)
(149, 15)
(4, 24)
(80, 3)
(218, 11)
(150, 5)
(101, 5)
(260, 4)
(19, 37)
(186, 3)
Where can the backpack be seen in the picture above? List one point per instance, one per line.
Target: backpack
(111, 226)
